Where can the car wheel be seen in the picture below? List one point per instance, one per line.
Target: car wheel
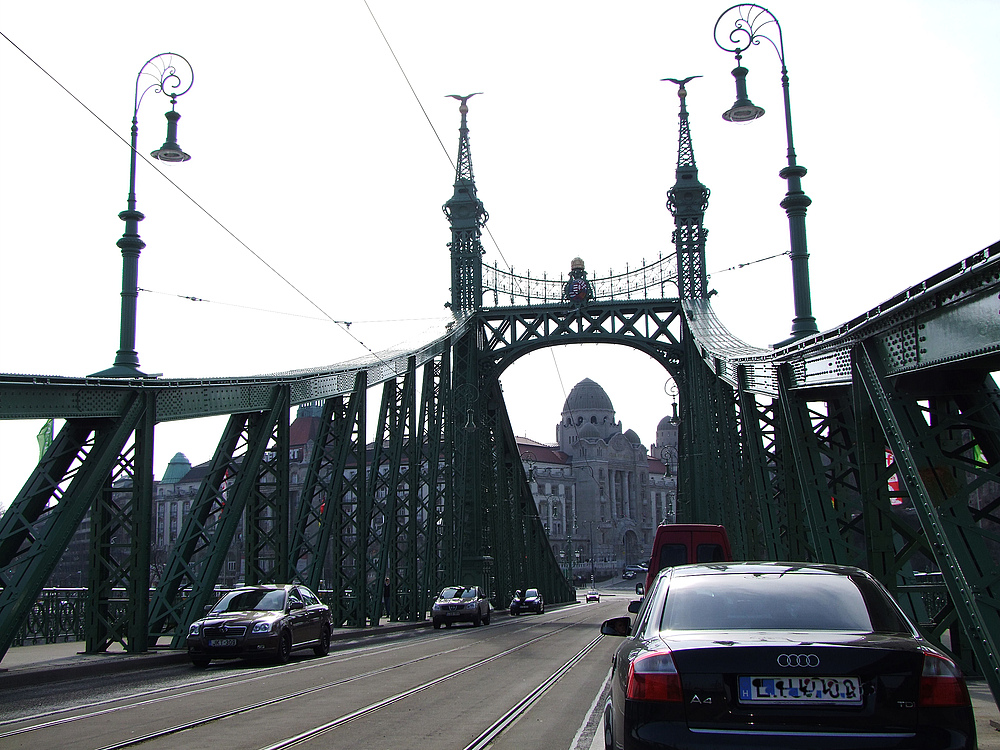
(541, 610)
(447, 624)
(200, 662)
(477, 620)
(437, 624)
(323, 647)
(486, 620)
(609, 738)
(284, 647)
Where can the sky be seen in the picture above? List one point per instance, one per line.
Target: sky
(321, 156)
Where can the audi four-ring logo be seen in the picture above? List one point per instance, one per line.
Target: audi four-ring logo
(798, 660)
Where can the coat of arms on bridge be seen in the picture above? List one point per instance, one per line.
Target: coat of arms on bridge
(577, 289)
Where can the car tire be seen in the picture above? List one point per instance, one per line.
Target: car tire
(541, 610)
(477, 620)
(323, 647)
(200, 662)
(284, 647)
(437, 624)
(609, 737)
(486, 620)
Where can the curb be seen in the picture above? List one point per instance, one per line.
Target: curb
(94, 665)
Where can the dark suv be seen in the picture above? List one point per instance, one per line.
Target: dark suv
(461, 604)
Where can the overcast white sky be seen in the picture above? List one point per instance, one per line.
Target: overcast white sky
(308, 145)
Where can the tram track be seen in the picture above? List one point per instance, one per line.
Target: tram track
(100, 709)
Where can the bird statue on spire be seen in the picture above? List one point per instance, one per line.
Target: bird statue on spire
(464, 99)
(680, 82)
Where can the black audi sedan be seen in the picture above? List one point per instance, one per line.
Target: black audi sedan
(261, 621)
(779, 655)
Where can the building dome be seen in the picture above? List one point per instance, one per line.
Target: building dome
(177, 469)
(632, 437)
(589, 432)
(665, 424)
(587, 396)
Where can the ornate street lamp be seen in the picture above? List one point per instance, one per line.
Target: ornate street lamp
(171, 75)
(751, 24)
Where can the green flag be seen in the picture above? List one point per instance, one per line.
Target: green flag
(44, 437)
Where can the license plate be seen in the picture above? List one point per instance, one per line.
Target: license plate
(222, 642)
(845, 691)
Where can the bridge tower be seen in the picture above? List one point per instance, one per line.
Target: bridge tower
(708, 431)
(687, 201)
(467, 217)
(469, 561)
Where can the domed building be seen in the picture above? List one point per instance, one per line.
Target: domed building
(600, 495)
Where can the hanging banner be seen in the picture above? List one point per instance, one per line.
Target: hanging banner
(44, 437)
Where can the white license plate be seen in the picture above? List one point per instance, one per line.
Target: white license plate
(222, 642)
(844, 691)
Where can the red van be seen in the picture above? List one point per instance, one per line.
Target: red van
(683, 543)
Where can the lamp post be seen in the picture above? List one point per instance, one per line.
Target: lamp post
(751, 24)
(169, 74)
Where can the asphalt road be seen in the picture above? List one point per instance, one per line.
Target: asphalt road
(425, 688)
(527, 682)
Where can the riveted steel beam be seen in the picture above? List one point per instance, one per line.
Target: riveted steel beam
(50, 507)
(928, 427)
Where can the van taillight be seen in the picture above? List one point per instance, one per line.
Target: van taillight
(653, 677)
(941, 683)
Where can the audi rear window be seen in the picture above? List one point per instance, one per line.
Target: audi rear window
(771, 601)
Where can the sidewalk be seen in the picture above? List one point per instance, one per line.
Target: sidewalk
(50, 662)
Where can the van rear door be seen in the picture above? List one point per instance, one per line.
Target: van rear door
(708, 545)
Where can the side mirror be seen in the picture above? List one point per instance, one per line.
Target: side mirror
(295, 605)
(633, 606)
(640, 589)
(619, 626)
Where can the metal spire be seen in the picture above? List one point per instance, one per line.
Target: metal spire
(463, 167)
(687, 201)
(467, 216)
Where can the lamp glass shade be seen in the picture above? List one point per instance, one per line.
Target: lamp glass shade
(171, 153)
(743, 111)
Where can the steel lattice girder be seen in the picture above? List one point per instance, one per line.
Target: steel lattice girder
(387, 480)
(267, 512)
(346, 514)
(430, 454)
(653, 326)
(199, 553)
(120, 542)
(768, 538)
(709, 489)
(927, 427)
(49, 508)
(530, 555)
(810, 431)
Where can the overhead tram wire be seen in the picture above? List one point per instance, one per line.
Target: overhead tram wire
(192, 298)
(204, 210)
(427, 117)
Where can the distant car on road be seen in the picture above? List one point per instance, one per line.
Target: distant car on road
(461, 604)
(631, 571)
(593, 596)
(779, 655)
(531, 601)
(261, 621)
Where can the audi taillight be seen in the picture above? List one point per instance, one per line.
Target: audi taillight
(941, 683)
(653, 677)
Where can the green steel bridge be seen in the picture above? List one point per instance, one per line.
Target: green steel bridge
(803, 450)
